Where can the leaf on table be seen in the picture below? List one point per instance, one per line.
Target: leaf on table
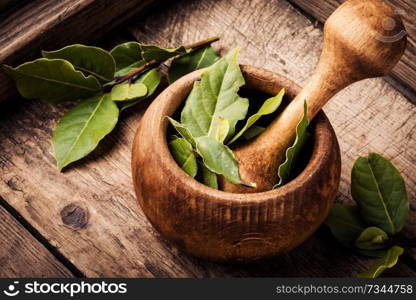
(130, 68)
(153, 52)
(253, 131)
(221, 130)
(285, 170)
(184, 155)
(218, 158)
(372, 238)
(126, 54)
(183, 131)
(345, 223)
(215, 95)
(128, 91)
(379, 190)
(151, 79)
(207, 177)
(81, 128)
(52, 80)
(195, 60)
(88, 59)
(269, 106)
(388, 260)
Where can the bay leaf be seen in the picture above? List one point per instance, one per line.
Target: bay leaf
(126, 54)
(183, 131)
(345, 223)
(130, 68)
(222, 130)
(151, 79)
(380, 193)
(184, 155)
(79, 131)
(88, 59)
(389, 260)
(207, 177)
(218, 158)
(195, 60)
(372, 238)
(52, 80)
(128, 91)
(215, 95)
(153, 52)
(285, 170)
(269, 106)
(253, 131)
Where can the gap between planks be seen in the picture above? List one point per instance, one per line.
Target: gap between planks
(19, 219)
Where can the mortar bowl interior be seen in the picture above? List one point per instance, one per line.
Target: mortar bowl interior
(221, 226)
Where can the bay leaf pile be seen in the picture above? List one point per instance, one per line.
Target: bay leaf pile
(102, 84)
(208, 123)
(371, 227)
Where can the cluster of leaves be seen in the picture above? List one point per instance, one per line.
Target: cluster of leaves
(102, 83)
(208, 125)
(382, 207)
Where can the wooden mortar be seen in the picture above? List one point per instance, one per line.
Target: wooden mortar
(224, 226)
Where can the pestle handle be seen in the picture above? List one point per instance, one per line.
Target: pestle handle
(362, 39)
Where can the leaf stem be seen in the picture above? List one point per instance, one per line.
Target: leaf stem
(129, 76)
(202, 43)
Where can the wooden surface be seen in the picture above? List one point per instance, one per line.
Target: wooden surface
(21, 255)
(89, 213)
(45, 25)
(405, 71)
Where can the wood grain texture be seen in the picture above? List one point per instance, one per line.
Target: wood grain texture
(118, 240)
(21, 255)
(405, 71)
(231, 227)
(46, 25)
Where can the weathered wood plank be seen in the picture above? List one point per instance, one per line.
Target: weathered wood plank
(50, 24)
(21, 255)
(107, 233)
(405, 71)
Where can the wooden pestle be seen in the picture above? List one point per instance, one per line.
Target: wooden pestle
(362, 39)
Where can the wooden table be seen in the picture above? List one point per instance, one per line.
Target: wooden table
(86, 222)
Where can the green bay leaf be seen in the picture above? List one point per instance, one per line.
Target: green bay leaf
(269, 106)
(285, 171)
(52, 80)
(130, 68)
(183, 131)
(388, 260)
(380, 193)
(214, 96)
(153, 52)
(372, 238)
(151, 79)
(218, 158)
(345, 223)
(222, 129)
(126, 54)
(128, 91)
(88, 59)
(184, 155)
(253, 131)
(207, 177)
(79, 131)
(195, 60)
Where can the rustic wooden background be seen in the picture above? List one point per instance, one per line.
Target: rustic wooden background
(86, 222)
(404, 74)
